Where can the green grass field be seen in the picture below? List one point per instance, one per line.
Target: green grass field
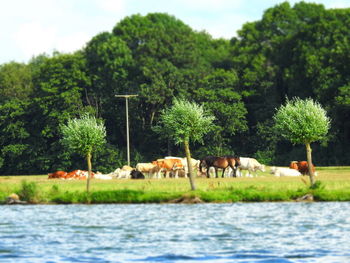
(335, 186)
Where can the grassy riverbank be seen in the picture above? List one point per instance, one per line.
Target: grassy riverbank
(334, 186)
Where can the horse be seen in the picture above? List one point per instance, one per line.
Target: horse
(219, 162)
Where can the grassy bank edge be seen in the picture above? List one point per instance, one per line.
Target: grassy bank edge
(213, 196)
(333, 184)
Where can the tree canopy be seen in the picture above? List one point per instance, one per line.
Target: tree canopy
(183, 122)
(299, 50)
(84, 136)
(302, 121)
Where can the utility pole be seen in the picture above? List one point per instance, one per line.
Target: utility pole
(127, 123)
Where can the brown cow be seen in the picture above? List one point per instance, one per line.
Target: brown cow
(168, 165)
(194, 163)
(57, 174)
(79, 174)
(302, 167)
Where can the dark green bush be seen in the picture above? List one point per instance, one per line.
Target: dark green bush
(317, 185)
(29, 192)
(334, 195)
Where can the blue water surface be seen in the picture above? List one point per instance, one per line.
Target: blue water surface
(238, 232)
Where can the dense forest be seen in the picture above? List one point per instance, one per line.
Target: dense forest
(301, 50)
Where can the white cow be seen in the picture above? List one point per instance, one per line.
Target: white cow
(101, 176)
(121, 174)
(149, 168)
(251, 165)
(284, 171)
(127, 168)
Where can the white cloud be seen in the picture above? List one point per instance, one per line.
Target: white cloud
(29, 28)
(339, 4)
(211, 5)
(33, 39)
(72, 42)
(227, 26)
(112, 6)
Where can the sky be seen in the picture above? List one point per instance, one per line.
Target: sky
(32, 27)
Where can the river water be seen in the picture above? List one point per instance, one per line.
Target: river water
(238, 232)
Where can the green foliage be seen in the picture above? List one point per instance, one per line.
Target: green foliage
(344, 96)
(302, 121)
(69, 197)
(185, 121)
(55, 190)
(219, 93)
(15, 81)
(108, 62)
(59, 83)
(115, 197)
(318, 185)
(250, 194)
(83, 136)
(217, 195)
(299, 50)
(167, 61)
(331, 195)
(29, 192)
(108, 159)
(15, 138)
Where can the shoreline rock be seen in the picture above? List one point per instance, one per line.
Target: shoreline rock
(306, 198)
(13, 199)
(187, 200)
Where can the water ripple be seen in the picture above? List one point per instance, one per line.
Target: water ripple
(253, 232)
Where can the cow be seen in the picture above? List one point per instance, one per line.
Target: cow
(76, 174)
(194, 163)
(293, 165)
(127, 168)
(57, 174)
(180, 173)
(101, 176)
(284, 171)
(121, 173)
(137, 175)
(168, 165)
(251, 165)
(302, 167)
(149, 168)
(79, 174)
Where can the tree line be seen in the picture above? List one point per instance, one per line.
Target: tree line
(292, 51)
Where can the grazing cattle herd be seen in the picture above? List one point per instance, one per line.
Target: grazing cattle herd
(175, 167)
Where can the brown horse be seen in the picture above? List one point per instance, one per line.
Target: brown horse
(219, 162)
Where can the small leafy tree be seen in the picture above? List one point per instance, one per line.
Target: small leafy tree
(183, 122)
(84, 136)
(302, 122)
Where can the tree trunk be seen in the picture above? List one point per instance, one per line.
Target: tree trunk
(152, 118)
(88, 159)
(309, 163)
(189, 165)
